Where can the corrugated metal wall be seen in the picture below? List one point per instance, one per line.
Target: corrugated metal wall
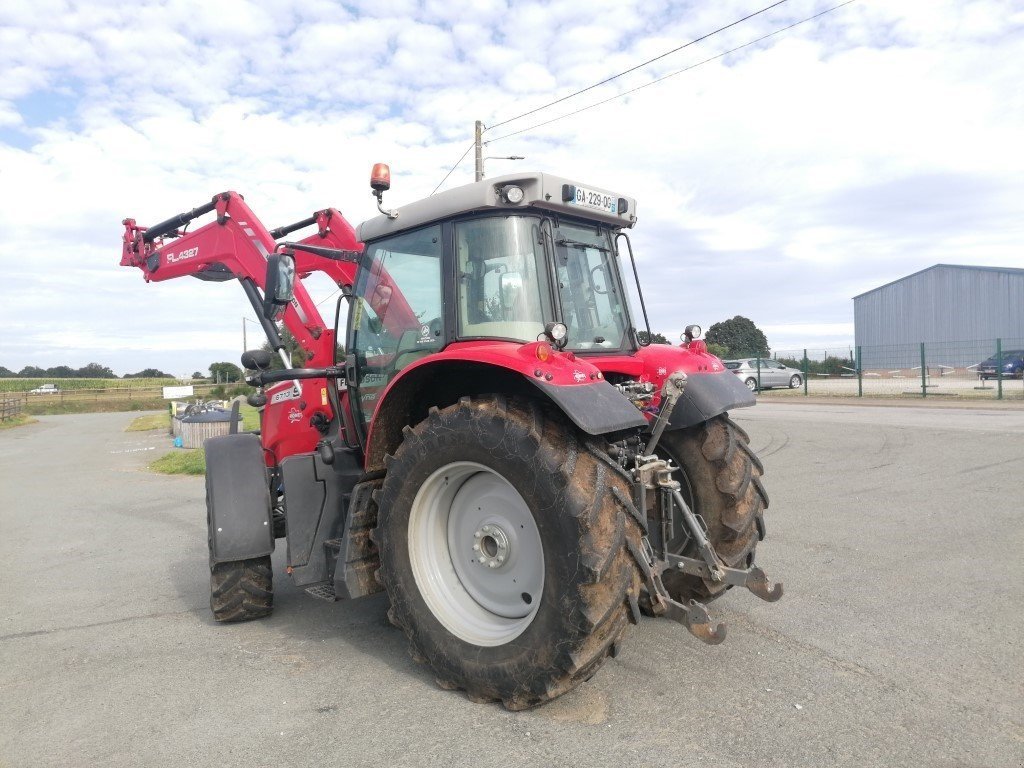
(940, 304)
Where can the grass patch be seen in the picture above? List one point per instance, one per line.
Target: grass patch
(181, 462)
(17, 421)
(250, 418)
(110, 405)
(150, 422)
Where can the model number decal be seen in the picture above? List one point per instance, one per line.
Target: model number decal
(188, 253)
(287, 394)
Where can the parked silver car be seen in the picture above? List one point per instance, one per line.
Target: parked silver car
(773, 373)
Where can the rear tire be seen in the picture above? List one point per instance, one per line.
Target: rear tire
(241, 590)
(751, 384)
(795, 381)
(721, 478)
(573, 497)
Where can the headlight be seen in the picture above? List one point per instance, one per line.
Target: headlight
(557, 332)
(514, 194)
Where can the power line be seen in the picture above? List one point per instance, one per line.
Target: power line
(673, 74)
(638, 66)
(452, 169)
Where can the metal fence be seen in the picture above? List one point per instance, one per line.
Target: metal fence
(989, 369)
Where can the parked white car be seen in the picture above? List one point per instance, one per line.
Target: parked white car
(45, 389)
(773, 373)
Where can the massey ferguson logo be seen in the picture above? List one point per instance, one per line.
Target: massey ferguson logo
(579, 376)
(294, 415)
(188, 253)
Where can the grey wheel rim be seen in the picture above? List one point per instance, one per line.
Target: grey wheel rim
(794, 382)
(751, 384)
(476, 554)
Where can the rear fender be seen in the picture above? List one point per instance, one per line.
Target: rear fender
(575, 387)
(711, 389)
(237, 499)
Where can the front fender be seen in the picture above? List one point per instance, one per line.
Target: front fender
(237, 498)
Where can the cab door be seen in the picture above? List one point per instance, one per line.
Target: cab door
(397, 316)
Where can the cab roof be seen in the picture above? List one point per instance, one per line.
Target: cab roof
(540, 190)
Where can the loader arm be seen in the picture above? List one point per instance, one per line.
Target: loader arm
(235, 246)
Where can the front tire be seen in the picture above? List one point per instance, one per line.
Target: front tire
(721, 479)
(536, 624)
(795, 381)
(241, 590)
(751, 384)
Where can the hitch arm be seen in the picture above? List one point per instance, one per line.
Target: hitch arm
(694, 616)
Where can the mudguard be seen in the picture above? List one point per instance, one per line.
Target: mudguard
(596, 408)
(237, 499)
(707, 395)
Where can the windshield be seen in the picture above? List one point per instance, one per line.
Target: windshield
(502, 289)
(592, 304)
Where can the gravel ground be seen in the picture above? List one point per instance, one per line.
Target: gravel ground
(897, 532)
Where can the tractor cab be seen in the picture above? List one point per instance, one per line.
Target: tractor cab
(507, 261)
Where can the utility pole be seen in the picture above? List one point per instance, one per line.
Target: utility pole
(479, 149)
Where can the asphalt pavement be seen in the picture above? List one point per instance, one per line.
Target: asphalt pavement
(897, 532)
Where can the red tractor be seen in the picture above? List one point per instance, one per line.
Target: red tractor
(497, 449)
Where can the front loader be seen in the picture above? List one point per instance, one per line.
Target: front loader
(497, 450)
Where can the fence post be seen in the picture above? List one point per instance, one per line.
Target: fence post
(924, 374)
(805, 372)
(758, 371)
(860, 375)
(999, 369)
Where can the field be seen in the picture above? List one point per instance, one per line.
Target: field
(92, 395)
(25, 385)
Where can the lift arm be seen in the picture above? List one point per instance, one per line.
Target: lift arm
(236, 246)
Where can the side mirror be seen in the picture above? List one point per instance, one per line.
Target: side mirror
(280, 284)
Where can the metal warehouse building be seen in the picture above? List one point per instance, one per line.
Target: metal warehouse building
(957, 311)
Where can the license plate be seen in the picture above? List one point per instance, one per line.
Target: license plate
(599, 201)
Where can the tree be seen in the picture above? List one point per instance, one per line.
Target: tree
(61, 372)
(148, 373)
(740, 336)
(291, 346)
(95, 371)
(6, 373)
(223, 372)
(32, 372)
(655, 338)
(718, 350)
(197, 375)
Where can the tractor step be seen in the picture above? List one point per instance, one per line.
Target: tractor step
(322, 591)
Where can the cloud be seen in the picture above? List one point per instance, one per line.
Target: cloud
(776, 182)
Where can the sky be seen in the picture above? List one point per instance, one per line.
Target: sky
(775, 182)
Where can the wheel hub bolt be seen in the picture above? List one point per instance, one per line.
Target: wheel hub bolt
(492, 545)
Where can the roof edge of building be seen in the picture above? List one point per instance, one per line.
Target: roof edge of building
(1009, 270)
